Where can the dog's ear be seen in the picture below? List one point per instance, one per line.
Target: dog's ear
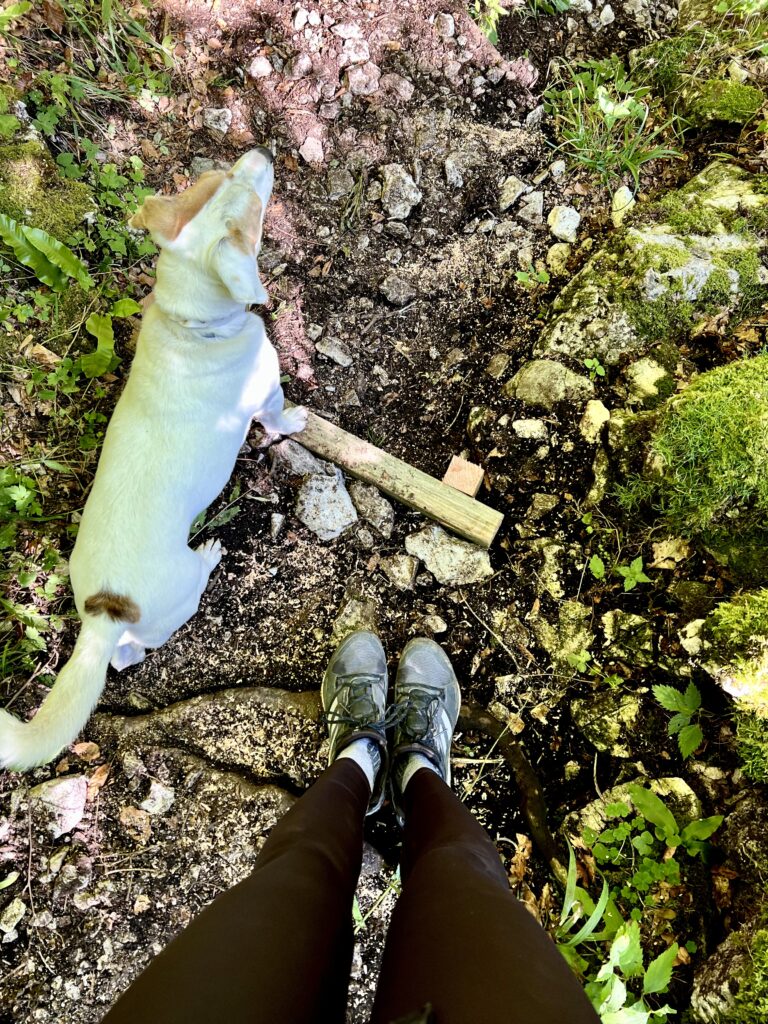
(165, 216)
(235, 259)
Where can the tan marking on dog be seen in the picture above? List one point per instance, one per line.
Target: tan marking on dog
(164, 216)
(118, 607)
(246, 234)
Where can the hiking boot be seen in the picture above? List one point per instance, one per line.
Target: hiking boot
(354, 695)
(427, 703)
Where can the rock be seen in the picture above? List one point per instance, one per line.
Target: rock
(160, 799)
(675, 792)
(311, 150)
(719, 979)
(569, 638)
(324, 506)
(397, 290)
(622, 204)
(276, 524)
(354, 51)
(627, 637)
(434, 624)
(200, 164)
(511, 190)
(356, 612)
(452, 167)
(557, 258)
(363, 79)
(397, 87)
(136, 823)
(601, 477)
(339, 182)
(290, 459)
(445, 26)
(531, 209)
(557, 169)
(399, 193)
(217, 119)
(594, 419)
(530, 430)
(10, 916)
(564, 222)
(400, 570)
(607, 721)
(647, 383)
(260, 67)
(497, 365)
(451, 561)
(545, 383)
(699, 244)
(334, 350)
(607, 17)
(373, 507)
(549, 574)
(298, 67)
(62, 801)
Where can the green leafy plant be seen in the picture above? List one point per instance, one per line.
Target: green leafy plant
(50, 261)
(487, 13)
(633, 574)
(579, 660)
(595, 367)
(684, 723)
(597, 567)
(12, 13)
(531, 277)
(604, 119)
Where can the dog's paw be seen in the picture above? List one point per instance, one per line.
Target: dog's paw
(211, 552)
(293, 421)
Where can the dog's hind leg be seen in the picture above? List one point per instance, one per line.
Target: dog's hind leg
(276, 419)
(128, 652)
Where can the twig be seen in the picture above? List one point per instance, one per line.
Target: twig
(473, 716)
(386, 315)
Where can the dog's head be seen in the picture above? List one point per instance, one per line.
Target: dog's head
(216, 223)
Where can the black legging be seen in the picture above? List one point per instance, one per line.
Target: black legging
(277, 948)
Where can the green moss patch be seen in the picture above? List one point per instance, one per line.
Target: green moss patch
(33, 192)
(751, 1003)
(752, 739)
(721, 100)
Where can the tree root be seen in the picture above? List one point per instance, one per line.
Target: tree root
(473, 716)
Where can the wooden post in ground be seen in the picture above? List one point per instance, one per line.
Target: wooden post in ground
(450, 507)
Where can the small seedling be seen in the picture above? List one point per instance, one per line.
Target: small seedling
(595, 367)
(633, 574)
(531, 277)
(579, 660)
(687, 708)
(597, 567)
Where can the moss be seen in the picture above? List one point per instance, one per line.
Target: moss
(751, 1002)
(752, 740)
(667, 317)
(685, 212)
(736, 624)
(665, 63)
(720, 100)
(713, 445)
(32, 191)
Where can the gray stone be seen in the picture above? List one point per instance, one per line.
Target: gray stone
(628, 637)
(675, 792)
(339, 182)
(530, 430)
(373, 507)
(10, 917)
(567, 638)
(311, 150)
(643, 378)
(397, 86)
(397, 290)
(217, 119)
(564, 222)
(531, 209)
(260, 67)
(324, 506)
(357, 612)
(354, 51)
(290, 459)
(363, 79)
(445, 26)
(334, 350)
(544, 382)
(399, 192)
(200, 164)
(160, 800)
(607, 17)
(621, 205)
(298, 67)
(511, 189)
(607, 721)
(400, 570)
(557, 258)
(452, 167)
(62, 802)
(451, 561)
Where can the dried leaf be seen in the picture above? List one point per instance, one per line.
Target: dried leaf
(86, 751)
(136, 823)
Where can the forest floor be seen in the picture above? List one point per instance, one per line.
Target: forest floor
(404, 294)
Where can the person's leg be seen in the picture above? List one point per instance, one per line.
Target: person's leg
(458, 940)
(278, 946)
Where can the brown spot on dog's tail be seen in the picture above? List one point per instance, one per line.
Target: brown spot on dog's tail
(118, 607)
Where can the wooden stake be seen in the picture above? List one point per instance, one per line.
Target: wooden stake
(456, 511)
(464, 476)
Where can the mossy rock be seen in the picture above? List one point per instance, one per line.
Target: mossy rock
(752, 742)
(693, 255)
(737, 632)
(722, 100)
(33, 192)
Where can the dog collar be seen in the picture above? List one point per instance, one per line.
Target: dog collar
(222, 327)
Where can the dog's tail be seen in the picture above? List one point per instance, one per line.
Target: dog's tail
(73, 696)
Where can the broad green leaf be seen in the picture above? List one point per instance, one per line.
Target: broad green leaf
(689, 739)
(9, 880)
(12, 12)
(659, 973)
(702, 829)
(98, 362)
(125, 307)
(652, 809)
(627, 1015)
(29, 255)
(692, 698)
(670, 698)
(597, 567)
(678, 722)
(60, 255)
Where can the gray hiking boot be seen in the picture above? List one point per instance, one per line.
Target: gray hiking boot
(427, 703)
(354, 695)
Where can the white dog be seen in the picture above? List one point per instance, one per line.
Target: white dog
(203, 369)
